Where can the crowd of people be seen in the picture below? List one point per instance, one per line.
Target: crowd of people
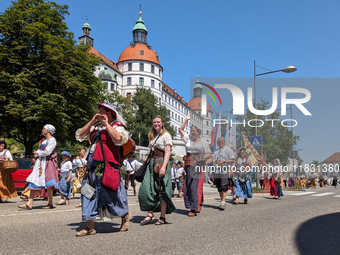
(98, 175)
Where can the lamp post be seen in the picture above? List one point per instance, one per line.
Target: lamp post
(288, 69)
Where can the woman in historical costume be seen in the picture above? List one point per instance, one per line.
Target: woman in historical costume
(65, 179)
(106, 203)
(290, 180)
(198, 152)
(266, 175)
(243, 186)
(155, 192)
(335, 181)
(275, 181)
(45, 173)
(7, 188)
(303, 181)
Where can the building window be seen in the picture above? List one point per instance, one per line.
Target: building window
(176, 116)
(142, 52)
(128, 80)
(199, 104)
(152, 83)
(159, 72)
(130, 67)
(159, 100)
(112, 86)
(141, 81)
(128, 95)
(172, 114)
(141, 67)
(207, 123)
(152, 69)
(182, 119)
(207, 132)
(160, 87)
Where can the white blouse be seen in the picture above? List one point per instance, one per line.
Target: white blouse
(201, 146)
(162, 141)
(65, 166)
(51, 145)
(121, 131)
(8, 154)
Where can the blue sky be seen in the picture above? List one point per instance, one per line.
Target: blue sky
(221, 39)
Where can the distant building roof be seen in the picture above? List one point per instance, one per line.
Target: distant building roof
(172, 92)
(107, 61)
(195, 104)
(139, 51)
(335, 158)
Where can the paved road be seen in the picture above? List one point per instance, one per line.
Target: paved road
(298, 223)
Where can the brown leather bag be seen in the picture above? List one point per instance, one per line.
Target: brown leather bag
(9, 166)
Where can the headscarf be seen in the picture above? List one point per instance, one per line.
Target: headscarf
(50, 128)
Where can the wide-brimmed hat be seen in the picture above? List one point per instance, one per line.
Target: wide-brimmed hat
(66, 153)
(113, 110)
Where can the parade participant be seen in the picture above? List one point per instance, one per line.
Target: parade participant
(303, 181)
(243, 187)
(65, 179)
(173, 177)
(314, 179)
(155, 192)
(7, 188)
(130, 166)
(296, 181)
(275, 181)
(180, 175)
(198, 151)
(290, 180)
(321, 181)
(223, 159)
(266, 175)
(45, 173)
(285, 178)
(105, 203)
(335, 181)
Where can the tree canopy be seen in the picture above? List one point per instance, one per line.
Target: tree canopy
(44, 77)
(276, 139)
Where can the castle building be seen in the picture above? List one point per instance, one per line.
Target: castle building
(139, 65)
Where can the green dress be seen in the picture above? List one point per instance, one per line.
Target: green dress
(150, 196)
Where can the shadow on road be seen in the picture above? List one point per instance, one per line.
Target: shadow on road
(101, 227)
(319, 235)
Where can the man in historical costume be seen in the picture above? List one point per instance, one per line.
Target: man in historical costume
(223, 159)
(130, 167)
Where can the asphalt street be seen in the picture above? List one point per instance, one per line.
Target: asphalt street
(298, 223)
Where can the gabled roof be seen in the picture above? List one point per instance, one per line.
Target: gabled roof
(335, 158)
(107, 61)
(173, 93)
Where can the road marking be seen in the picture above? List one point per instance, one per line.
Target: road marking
(300, 193)
(337, 196)
(323, 194)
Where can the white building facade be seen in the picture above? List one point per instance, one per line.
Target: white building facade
(139, 65)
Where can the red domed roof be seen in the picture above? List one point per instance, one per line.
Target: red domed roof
(133, 52)
(195, 104)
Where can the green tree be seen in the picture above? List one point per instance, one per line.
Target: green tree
(146, 108)
(276, 139)
(44, 77)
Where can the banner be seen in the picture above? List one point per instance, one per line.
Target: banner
(252, 154)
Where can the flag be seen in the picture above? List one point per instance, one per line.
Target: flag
(217, 135)
(251, 152)
(226, 134)
(232, 139)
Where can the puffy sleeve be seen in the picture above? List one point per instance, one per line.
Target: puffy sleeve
(8, 155)
(86, 137)
(51, 145)
(123, 133)
(185, 138)
(167, 139)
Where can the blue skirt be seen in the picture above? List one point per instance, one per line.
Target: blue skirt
(65, 186)
(115, 202)
(243, 189)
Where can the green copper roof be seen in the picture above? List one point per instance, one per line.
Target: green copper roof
(197, 85)
(140, 24)
(106, 75)
(86, 25)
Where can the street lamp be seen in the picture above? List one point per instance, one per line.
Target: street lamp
(288, 69)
